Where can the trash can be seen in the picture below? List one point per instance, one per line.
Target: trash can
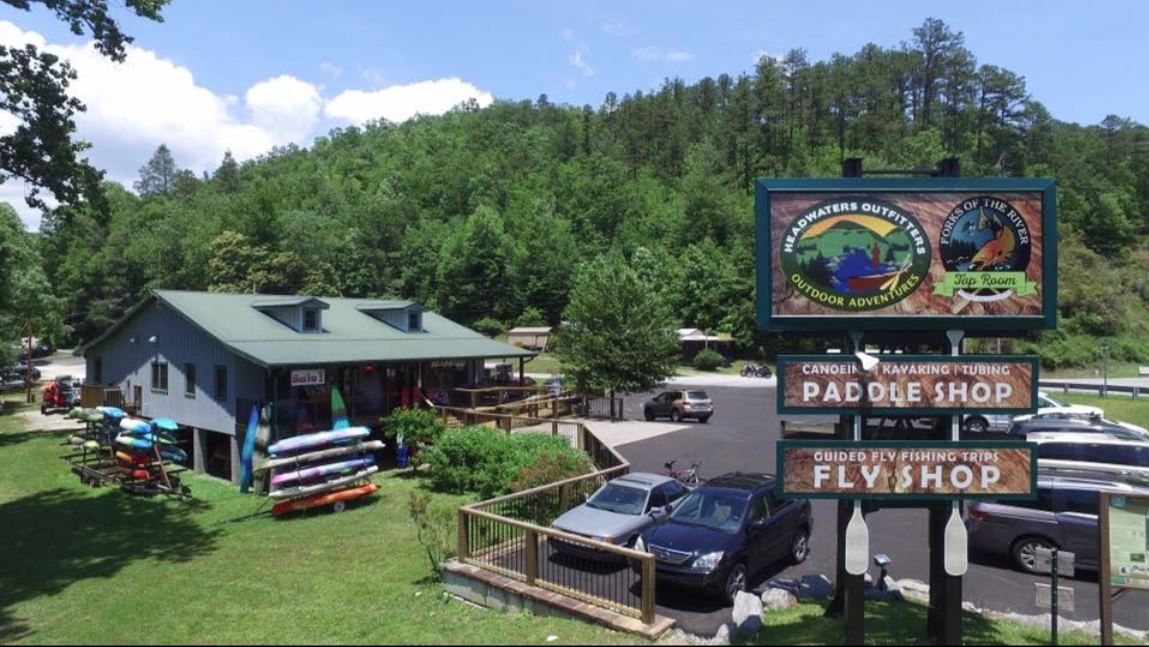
(402, 456)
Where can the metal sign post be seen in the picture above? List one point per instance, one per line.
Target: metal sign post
(1053, 596)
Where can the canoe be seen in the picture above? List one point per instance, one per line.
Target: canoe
(319, 488)
(323, 499)
(315, 441)
(322, 455)
(247, 457)
(167, 424)
(322, 471)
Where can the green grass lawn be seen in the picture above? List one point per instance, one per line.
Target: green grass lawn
(902, 624)
(545, 363)
(100, 566)
(1116, 370)
(1117, 407)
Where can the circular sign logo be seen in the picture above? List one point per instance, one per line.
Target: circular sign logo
(855, 254)
(985, 247)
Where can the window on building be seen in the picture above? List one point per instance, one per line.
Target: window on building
(221, 383)
(310, 320)
(160, 377)
(415, 322)
(98, 370)
(189, 380)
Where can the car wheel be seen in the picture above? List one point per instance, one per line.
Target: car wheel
(1025, 552)
(43, 410)
(675, 416)
(648, 414)
(976, 425)
(800, 546)
(736, 582)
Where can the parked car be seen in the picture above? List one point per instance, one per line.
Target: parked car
(1065, 516)
(19, 373)
(725, 532)
(620, 512)
(1048, 406)
(1073, 425)
(1105, 455)
(680, 405)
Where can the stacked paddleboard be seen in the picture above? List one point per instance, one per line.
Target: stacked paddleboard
(143, 448)
(330, 467)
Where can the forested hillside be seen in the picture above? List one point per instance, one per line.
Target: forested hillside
(484, 213)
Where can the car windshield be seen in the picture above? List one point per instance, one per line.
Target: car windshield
(1052, 401)
(716, 510)
(619, 499)
(697, 395)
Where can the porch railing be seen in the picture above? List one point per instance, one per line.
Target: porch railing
(511, 536)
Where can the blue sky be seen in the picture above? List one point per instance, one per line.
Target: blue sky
(250, 74)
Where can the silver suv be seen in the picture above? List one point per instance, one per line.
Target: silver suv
(1065, 516)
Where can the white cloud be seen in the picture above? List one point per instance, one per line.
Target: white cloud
(619, 28)
(148, 100)
(569, 35)
(373, 77)
(285, 106)
(401, 102)
(576, 60)
(657, 54)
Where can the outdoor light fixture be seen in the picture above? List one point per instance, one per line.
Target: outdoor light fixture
(883, 562)
(131, 340)
(857, 543)
(152, 339)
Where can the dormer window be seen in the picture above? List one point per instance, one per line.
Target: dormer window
(414, 321)
(310, 320)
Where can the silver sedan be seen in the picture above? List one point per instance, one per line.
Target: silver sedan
(620, 511)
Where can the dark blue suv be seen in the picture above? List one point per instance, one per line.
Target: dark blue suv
(727, 530)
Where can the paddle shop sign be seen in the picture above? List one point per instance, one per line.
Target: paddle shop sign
(311, 377)
(927, 254)
(906, 470)
(907, 385)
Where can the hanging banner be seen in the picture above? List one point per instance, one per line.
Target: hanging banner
(925, 385)
(921, 254)
(906, 470)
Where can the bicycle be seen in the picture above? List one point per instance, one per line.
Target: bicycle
(689, 477)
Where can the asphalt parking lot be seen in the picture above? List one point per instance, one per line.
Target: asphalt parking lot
(741, 437)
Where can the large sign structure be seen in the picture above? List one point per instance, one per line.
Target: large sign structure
(907, 385)
(907, 470)
(926, 254)
(1124, 562)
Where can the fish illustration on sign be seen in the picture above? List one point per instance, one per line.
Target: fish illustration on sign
(998, 252)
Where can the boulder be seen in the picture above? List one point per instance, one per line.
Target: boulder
(794, 587)
(778, 600)
(747, 614)
(816, 587)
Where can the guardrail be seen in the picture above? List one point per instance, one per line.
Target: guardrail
(1101, 390)
(511, 536)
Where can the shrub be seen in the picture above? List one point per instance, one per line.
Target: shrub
(435, 527)
(708, 360)
(489, 326)
(416, 426)
(491, 462)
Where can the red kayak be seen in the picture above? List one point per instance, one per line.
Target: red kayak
(324, 499)
(141, 475)
(135, 459)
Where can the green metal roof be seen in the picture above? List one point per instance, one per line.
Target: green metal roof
(350, 334)
(287, 302)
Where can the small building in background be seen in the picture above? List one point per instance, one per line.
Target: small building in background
(694, 340)
(535, 339)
